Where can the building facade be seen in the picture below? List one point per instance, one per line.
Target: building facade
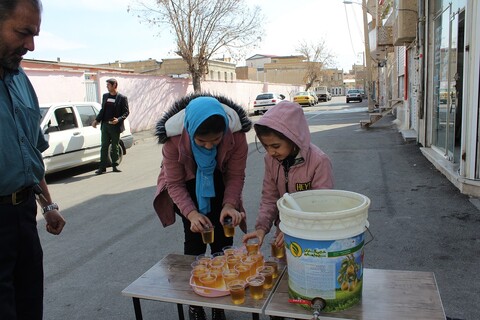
(426, 60)
(177, 68)
(290, 70)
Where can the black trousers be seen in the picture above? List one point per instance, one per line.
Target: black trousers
(193, 244)
(21, 262)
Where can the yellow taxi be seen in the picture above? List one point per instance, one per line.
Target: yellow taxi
(304, 98)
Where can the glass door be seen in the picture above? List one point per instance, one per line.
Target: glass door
(444, 76)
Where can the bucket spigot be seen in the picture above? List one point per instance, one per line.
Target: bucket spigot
(318, 304)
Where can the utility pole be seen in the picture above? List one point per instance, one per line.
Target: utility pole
(368, 58)
(364, 62)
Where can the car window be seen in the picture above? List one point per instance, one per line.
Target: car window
(302, 93)
(65, 117)
(264, 96)
(87, 115)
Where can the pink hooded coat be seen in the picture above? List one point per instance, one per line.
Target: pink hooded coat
(315, 172)
(179, 165)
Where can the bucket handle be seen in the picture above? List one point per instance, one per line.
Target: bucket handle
(371, 235)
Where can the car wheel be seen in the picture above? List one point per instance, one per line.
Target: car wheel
(120, 154)
(255, 113)
(348, 101)
(360, 100)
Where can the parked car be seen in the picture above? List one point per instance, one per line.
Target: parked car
(73, 141)
(315, 98)
(304, 98)
(354, 95)
(265, 101)
(323, 94)
(362, 92)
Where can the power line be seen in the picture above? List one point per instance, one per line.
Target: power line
(349, 32)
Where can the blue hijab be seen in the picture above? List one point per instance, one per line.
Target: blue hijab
(196, 112)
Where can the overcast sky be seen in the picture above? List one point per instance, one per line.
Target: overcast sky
(99, 31)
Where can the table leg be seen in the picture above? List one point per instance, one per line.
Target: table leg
(255, 316)
(181, 316)
(137, 308)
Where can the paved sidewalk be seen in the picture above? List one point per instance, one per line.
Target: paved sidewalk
(419, 219)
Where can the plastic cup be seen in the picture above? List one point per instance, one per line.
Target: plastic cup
(243, 271)
(218, 261)
(204, 259)
(277, 252)
(230, 275)
(232, 261)
(258, 259)
(237, 291)
(273, 264)
(208, 280)
(228, 227)
(197, 273)
(252, 245)
(267, 272)
(218, 272)
(229, 250)
(208, 234)
(255, 284)
(250, 261)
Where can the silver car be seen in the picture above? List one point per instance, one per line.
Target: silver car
(354, 95)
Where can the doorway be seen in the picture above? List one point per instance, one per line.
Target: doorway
(449, 31)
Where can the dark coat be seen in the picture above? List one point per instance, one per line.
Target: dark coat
(120, 112)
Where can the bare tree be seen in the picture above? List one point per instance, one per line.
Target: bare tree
(318, 58)
(203, 28)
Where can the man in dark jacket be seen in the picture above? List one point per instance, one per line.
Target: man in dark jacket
(114, 112)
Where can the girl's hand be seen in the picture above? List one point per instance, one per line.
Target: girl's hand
(229, 211)
(198, 221)
(279, 238)
(260, 234)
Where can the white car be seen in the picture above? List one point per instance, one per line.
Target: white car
(73, 141)
(265, 101)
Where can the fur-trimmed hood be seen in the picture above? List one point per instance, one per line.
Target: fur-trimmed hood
(171, 123)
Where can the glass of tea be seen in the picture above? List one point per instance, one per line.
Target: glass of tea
(267, 272)
(255, 284)
(273, 263)
(252, 245)
(228, 227)
(237, 291)
(276, 251)
(207, 234)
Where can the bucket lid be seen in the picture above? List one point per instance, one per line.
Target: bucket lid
(324, 214)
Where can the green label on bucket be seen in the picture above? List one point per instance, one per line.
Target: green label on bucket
(332, 270)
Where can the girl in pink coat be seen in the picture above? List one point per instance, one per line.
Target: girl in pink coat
(203, 172)
(292, 163)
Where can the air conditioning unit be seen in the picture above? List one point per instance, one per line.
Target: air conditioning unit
(405, 24)
(384, 36)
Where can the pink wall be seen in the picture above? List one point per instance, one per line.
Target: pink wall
(148, 96)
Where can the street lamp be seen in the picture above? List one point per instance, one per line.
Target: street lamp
(367, 52)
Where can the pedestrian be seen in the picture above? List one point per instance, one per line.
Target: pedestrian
(112, 115)
(22, 169)
(292, 164)
(203, 172)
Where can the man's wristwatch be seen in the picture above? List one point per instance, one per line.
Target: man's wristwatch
(50, 207)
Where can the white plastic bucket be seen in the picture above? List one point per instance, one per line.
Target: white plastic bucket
(324, 246)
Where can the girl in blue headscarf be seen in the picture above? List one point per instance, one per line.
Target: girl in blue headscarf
(203, 172)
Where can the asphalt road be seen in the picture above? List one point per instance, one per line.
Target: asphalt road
(419, 219)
